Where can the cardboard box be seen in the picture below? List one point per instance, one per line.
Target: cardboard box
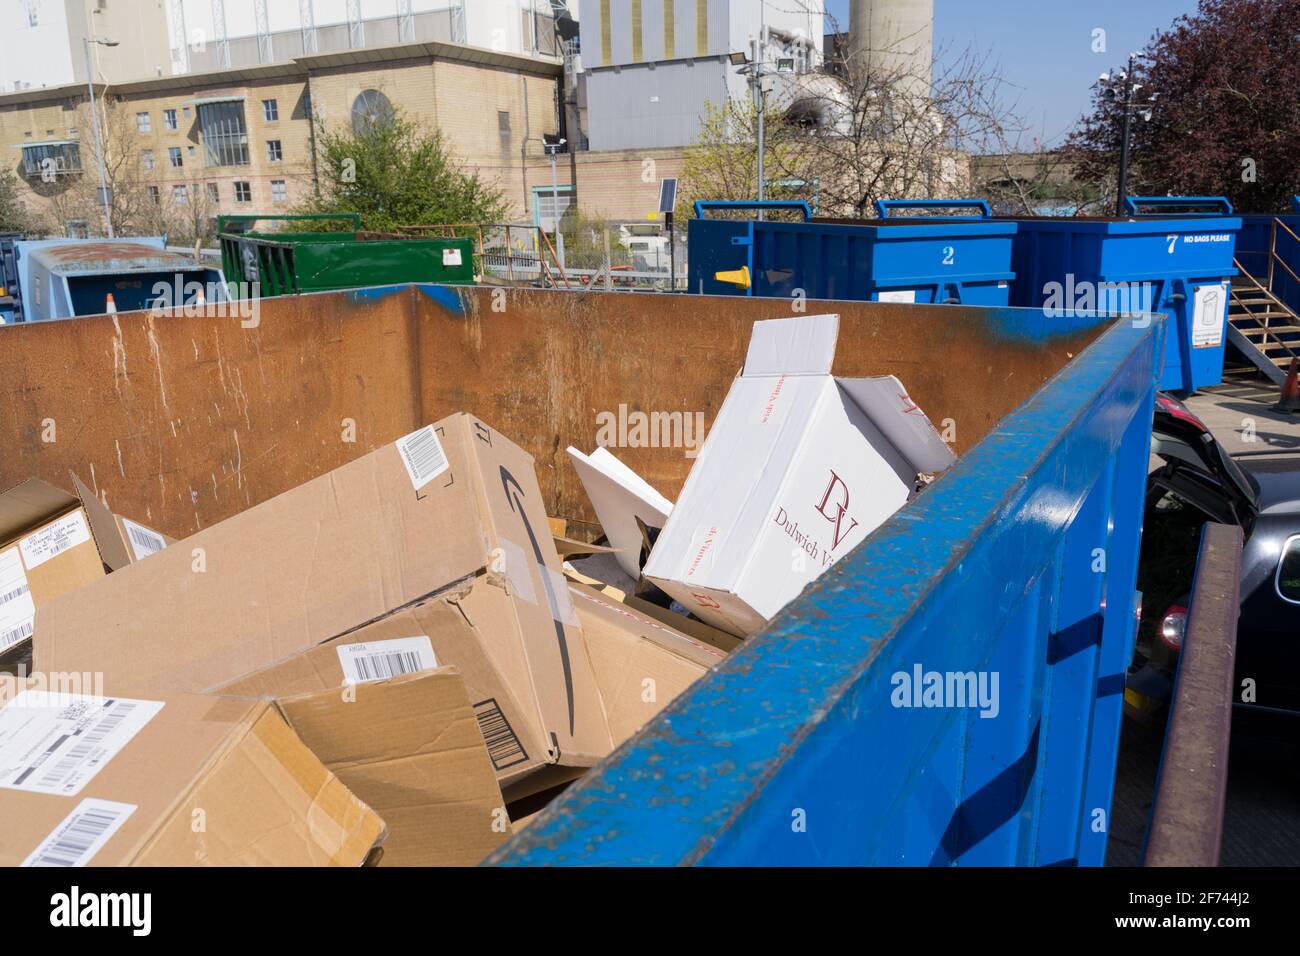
(455, 503)
(169, 781)
(472, 626)
(121, 541)
(798, 468)
(51, 543)
(640, 663)
(410, 748)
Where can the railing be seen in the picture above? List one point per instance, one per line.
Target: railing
(1191, 791)
(1266, 288)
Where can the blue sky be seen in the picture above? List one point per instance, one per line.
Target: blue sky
(1044, 47)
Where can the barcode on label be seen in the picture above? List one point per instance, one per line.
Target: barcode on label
(15, 634)
(502, 743)
(143, 541)
(81, 834)
(423, 456)
(84, 749)
(14, 594)
(380, 660)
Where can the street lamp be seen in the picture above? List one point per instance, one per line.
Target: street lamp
(104, 199)
(553, 148)
(1123, 89)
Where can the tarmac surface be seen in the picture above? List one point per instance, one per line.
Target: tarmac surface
(1262, 819)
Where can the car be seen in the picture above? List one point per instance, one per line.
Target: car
(1199, 481)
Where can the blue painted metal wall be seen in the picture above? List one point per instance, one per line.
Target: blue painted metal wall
(1021, 561)
(966, 261)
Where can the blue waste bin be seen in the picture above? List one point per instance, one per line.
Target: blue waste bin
(1156, 261)
(966, 260)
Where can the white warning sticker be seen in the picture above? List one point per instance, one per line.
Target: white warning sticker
(55, 538)
(17, 611)
(380, 660)
(423, 456)
(56, 743)
(451, 257)
(1208, 316)
(896, 295)
(81, 834)
(144, 542)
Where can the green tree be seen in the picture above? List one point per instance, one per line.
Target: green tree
(14, 216)
(397, 173)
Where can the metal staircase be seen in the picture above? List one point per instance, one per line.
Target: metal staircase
(1260, 325)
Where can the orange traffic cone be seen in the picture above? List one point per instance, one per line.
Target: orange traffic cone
(110, 306)
(198, 301)
(1289, 401)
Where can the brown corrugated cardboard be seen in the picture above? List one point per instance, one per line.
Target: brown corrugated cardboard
(473, 626)
(454, 502)
(51, 543)
(411, 749)
(640, 663)
(121, 541)
(171, 781)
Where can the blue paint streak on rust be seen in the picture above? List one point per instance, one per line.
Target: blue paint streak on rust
(375, 293)
(449, 297)
(796, 729)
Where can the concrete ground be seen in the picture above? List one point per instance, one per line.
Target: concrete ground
(1262, 817)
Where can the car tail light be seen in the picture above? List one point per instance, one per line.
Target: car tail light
(1173, 626)
(1180, 411)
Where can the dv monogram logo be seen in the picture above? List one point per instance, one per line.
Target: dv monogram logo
(839, 509)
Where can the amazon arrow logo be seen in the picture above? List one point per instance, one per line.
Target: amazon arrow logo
(515, 493)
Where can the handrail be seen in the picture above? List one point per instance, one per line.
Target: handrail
(797, 205)
(1192, 785)
(351, 217)
(1131, 203)
(883, 206)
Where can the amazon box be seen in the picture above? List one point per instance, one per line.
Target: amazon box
(641, 664)
(450, 505)
(51, 543)
(168, 780)
(410, 748)
(798, 468)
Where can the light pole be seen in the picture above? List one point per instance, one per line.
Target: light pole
(552, 149)
(104, 198)
(754, 70)
(1124, 91)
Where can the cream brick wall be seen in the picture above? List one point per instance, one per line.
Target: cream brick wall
(463, 99)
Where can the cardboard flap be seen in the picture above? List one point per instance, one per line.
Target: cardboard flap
(619, 496)
(804, 345)
(103, 526)
(410, 748)
(885, 401)
(26, 505)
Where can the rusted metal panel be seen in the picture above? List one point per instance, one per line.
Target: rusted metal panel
(1187, 819)
(79, 257)
(182, 421)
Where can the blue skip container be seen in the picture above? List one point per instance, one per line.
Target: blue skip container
(964, 260)
(1157, 261)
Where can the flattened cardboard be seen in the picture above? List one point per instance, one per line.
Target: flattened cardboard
(111, 531)
(798, 468)
(205, 782)
(619, 496)
(411, 749)
(640, 664)
(332, 556)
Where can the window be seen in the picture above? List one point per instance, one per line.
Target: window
(243, 191)
(142, 123)
(224, 134)
(169, 120)
(278, 191)
(155, 195)
(273, 151)
(271, 110)
(1288, 571)
(190, 150)
(180, 195)
(174, 156)
(503, 122)
(185, 111)
(370, 110)
(214, 193)
(56, 158)
(146, 159)
(77, 229)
